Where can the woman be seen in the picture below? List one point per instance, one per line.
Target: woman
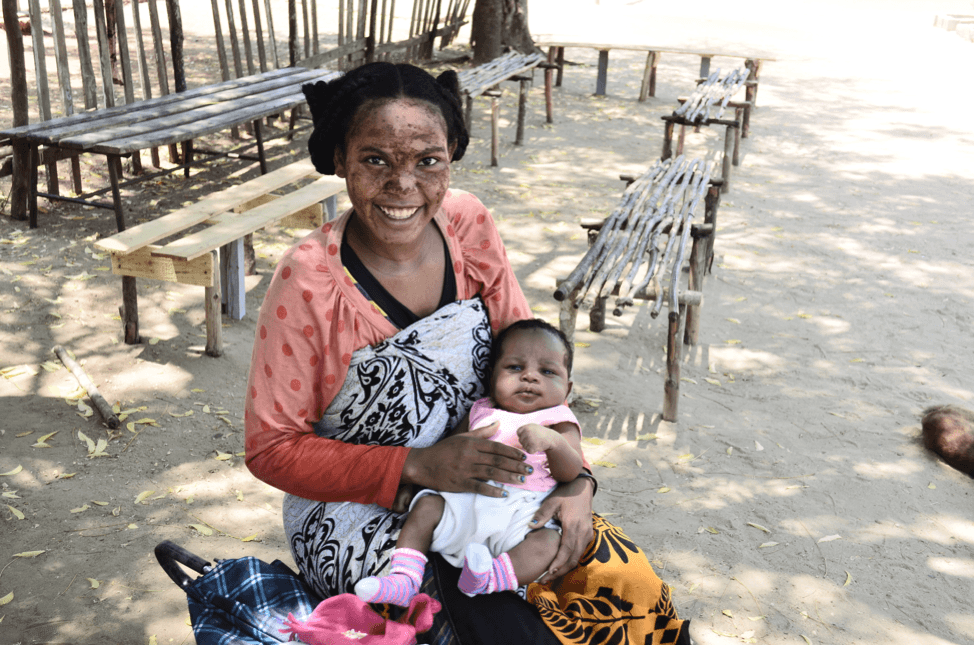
(372, 344)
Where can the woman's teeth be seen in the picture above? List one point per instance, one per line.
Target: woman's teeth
(398, 213)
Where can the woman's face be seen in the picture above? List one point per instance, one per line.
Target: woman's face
(396, 168)
(530, 373)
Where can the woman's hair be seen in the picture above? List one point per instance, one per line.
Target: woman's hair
(335, 105)
(531, 323)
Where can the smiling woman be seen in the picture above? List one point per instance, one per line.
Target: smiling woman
(373, 343)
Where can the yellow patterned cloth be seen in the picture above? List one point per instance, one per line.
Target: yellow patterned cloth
(613, 597)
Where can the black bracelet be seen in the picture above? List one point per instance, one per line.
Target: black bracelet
(595, 482)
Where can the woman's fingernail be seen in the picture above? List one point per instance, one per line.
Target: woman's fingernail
(534, 521)
(530, 470)
(505, 494)
(521, 478)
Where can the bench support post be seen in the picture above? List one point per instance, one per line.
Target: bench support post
(114, 176)
(567, 315)
(130, 311)
(522, 109)
(737, 136)
(698, 267)
(711, 202)
(495, 116)
(601, 81)
(232, 266)
(33, 159)
(753, 66)
(648, 88)
(728, 157)
(549, 103)
(674, 347)
(212, 305)
(667, 141)
(704, 66)
(560, 61)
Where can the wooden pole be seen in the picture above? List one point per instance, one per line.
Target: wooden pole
(176, 44)
(213, 305)
(671, 388)
(104, 409)
(522, 108)
(18, 83)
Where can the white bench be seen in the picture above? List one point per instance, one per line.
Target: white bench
(212, 257)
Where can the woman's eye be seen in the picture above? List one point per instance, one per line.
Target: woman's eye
(374, 161)
(429, 161)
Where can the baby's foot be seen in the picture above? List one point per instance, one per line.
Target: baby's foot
(396, 589)
(477, 565)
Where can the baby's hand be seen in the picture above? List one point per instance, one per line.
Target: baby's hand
(536, 438)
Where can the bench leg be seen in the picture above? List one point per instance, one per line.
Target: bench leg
(698, 268)
(560, 61)
(681, 139)
(648, 88)
(33, 160)
(754, 72)
(137, 164)
(232, 279)
(549, 102)
(674, 348)
(728, 157)
(213, 304)
(602, 80)
(711, 203)
(468, 114)
(746, 122)
(704, 66)
(114, 176)
(522, 109)
(76, 174)
(187, 156)
(596, 315)
(259, 136)
(567, 315)
(667, 141)
(130, 311)
(495, 116)
(737, 136)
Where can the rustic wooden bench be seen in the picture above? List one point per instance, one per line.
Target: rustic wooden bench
(705, 107)
(211, 255)
(482, 81)
(556, 57)
(639, 251)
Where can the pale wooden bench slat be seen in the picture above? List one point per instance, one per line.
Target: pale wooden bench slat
(226, 200)
(229, 227)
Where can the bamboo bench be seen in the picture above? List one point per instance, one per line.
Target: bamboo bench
(482, 81)
(638, 252)
(211, 256)
(705, 107)
(556, 57)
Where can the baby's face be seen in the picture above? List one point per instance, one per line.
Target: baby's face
(530, 373)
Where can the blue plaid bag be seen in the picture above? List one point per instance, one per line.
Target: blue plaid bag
(242, 601)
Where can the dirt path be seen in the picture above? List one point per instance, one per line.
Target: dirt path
(789, 504)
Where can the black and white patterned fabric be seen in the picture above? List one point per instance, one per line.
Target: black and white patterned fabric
(406, 391)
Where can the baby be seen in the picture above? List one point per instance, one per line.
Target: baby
(495, 539)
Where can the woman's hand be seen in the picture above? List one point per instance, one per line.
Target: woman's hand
(463, 462)
(571, 504)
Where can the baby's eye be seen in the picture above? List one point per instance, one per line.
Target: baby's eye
(514, 368)
(547, 372)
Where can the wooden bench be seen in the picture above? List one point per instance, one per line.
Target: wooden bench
(556, 57)
(211, 256)
(639, 251)
(705, 107)
(482, 81)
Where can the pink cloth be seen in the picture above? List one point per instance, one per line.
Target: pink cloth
(483, 414)
(345, 619)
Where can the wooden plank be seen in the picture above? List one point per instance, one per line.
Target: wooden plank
(57, 129)
(142, 264)
(234, 43)
(124, 56)
(221, 202)
(221, 46)
(230, 227)
(270, 32)
(232, 279)
(88, 83)
(259, 36)
(158, 48)
(310, 217)
(245, 36)
(140, 49)
(61, 57)
(104, 54)
(40, 60)
(193, 130)
(550, 42)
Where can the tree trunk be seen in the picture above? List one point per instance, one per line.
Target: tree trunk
(500, 24)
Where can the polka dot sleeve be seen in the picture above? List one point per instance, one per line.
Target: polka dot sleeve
(486, 269)
(306, 333)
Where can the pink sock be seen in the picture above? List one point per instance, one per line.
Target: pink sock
(402, 583)
(482, 574)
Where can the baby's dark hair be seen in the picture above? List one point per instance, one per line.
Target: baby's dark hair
(532, 323)
(335, 104)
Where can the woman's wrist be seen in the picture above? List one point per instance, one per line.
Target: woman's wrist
(591, 478)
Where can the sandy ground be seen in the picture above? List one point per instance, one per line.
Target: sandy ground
(789, 504)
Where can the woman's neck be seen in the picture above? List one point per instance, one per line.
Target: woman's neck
(393, 260)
